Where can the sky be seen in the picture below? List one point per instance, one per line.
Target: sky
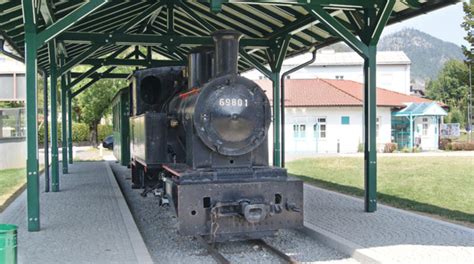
(443, 24)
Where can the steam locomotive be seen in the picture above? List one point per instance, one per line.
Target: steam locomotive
(199, 142)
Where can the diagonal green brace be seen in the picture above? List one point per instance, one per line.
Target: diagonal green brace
(67, 21)
(338, 29)
(255, 63)
(78, 59)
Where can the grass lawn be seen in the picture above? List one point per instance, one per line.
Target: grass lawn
(437, 185)
(10, 181)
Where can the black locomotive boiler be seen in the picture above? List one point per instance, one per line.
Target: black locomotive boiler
(200, 139)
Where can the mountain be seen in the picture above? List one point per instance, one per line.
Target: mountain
(427, 53)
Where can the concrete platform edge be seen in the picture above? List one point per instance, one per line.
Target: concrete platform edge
(136, 239)
(342, 245)
(413, 214)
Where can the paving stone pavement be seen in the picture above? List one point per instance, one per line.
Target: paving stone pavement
(389, 235)
(81, 224)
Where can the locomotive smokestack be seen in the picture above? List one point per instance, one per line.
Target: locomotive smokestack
(200, 66)
(226, 52)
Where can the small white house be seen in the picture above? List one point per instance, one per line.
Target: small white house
(393, 68)
(326, 116)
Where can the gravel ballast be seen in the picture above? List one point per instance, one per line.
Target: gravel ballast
(158, 226)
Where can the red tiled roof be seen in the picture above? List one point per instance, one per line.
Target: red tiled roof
(325, 92)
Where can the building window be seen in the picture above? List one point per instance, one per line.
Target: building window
(339, 77)
(377, 126)
(288, 77)
(319, 129)
(299, 131)
(345, 120)
(426, 126)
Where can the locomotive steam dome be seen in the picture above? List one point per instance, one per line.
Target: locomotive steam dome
(232, 115)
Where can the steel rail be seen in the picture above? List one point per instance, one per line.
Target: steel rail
(218, 257)
(277, 252)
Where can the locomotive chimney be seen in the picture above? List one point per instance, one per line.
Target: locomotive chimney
(226, 52)
(200, 66)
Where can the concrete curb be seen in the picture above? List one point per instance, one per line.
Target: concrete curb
(16, 194)
(356, 251)
(411, 213)
(136, 239)
(342, 245)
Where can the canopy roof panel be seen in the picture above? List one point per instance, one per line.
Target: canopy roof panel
(171, 28)
(422, 109)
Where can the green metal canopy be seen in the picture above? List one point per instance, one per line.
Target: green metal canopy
(54, 36)
(171, 28)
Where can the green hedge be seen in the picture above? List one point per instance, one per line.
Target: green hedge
(104, 131)
(80, 132)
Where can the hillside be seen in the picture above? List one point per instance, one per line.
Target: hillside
(427, 53)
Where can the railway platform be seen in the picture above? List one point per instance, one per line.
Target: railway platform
(88, 221)
(389, 235)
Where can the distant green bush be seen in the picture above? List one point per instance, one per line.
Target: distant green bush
(104, 131)
(80, 132)
(460, 146)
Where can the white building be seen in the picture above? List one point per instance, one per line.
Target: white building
(12, 121)
(326, 116)
(393, 68)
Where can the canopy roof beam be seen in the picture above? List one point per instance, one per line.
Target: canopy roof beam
(133, 62)
(93, 69)
(66, 22)
(148, 39)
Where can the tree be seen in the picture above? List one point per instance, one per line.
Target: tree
(468, 25)
(451, 86)
(95, 102)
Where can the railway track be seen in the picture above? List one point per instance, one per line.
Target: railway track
(221, 259)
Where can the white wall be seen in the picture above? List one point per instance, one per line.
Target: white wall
(394, 77)
(429, 141)
(349, 136)
(12, 153)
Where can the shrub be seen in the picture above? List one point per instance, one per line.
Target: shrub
(360, 148)
(444, 143)
(80, 132)
(41, 134)
(390, 147)
(461, 146)
(104, 131)
(406, 150)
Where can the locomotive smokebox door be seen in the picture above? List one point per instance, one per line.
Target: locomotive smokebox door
(239, 210)
(232, 115)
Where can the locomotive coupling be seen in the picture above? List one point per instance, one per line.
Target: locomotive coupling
(254, 213)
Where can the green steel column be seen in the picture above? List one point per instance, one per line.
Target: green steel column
(370, 115)
(54, 120)
(32, 176)
(412, 133)
(69, 119)
(64, 119)
(46, 133)
(275, 77)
